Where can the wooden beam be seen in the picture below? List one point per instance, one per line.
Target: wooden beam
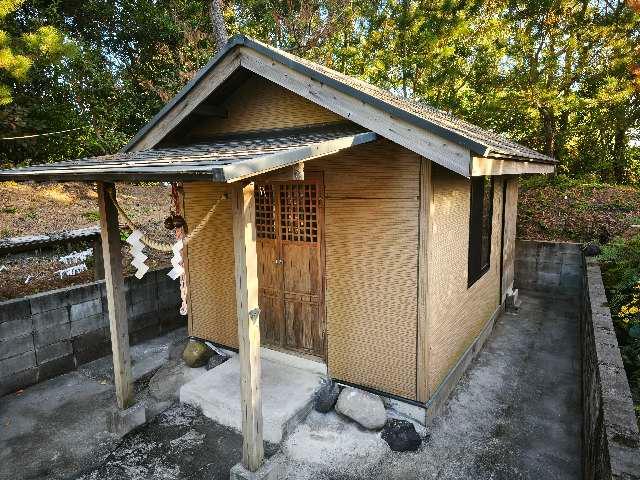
(495, 166)
(215, 111)
(246, 273)
(426, 215)
(114, 281)
(442, 151)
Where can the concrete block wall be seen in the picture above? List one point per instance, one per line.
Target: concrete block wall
(53, 332)
(555, 267)
(611, 441)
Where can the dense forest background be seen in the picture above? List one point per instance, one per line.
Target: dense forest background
(561, 76)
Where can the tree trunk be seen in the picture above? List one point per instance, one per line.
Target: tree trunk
(219, 28)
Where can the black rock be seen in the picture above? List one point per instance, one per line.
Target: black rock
(591, 249)
(326, 396)
(401, 435)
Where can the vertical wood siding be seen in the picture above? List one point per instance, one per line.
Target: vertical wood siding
(260, 105)
(211, 265)
(371, 224)
(457, 313)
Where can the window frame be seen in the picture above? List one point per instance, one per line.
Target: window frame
(476, 269)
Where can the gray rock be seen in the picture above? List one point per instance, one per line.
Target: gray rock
(326, 396)
(363, 407)
(196, 354)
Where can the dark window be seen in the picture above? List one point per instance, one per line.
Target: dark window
(480, 227)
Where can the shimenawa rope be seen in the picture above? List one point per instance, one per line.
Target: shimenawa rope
(162, 246)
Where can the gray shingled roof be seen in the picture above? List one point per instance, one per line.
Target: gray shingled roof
(223, 160)
(476, 139)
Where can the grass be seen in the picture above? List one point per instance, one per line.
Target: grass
(92, 216)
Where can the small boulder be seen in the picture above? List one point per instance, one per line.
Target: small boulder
(363, 407)
(326, 396)
(401, 436)
(196, 354)
(591, 249)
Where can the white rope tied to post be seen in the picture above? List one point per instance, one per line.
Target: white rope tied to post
(163, 246)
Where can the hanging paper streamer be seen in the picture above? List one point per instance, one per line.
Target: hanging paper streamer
(138, 256)
(176, 261)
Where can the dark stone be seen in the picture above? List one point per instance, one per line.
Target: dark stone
(401, 436)
(196, 354)
(326, 396)
(216, 360)
(591, 249)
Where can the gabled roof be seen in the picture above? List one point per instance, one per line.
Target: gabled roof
(478, 140)
(225, 160)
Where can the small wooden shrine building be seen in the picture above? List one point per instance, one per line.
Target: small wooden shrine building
(376, 234)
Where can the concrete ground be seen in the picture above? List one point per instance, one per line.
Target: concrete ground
(515, 415)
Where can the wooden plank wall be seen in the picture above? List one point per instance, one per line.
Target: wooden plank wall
(457, 313)
(260, 105)
(371, 225)
(509, 248)
(212, 302)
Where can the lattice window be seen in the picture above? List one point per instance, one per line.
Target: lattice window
(265, 212)
(299, 212)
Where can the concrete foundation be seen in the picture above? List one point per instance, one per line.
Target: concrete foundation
(287, 395)
(268, 471)
(121, 422)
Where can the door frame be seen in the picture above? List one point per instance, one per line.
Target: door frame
(318, 178)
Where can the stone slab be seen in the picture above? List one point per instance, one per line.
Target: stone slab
(287, 396)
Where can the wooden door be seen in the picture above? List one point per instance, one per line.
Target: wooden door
(289, 218)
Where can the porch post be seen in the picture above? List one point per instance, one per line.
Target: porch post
(246, 274)
(114, 281)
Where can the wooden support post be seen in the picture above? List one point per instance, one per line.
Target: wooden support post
(246, 268)
(114, 280)
(426, 215)
(298, 171)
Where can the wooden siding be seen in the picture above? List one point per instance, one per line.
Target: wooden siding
(457, 313)
(261, 105)
(211, 266)
(510, 220)
(371, 225)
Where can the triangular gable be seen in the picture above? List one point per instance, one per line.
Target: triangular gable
(428, 132)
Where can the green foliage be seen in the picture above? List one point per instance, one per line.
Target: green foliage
(621, 274)
(561, 77)
(92, 216)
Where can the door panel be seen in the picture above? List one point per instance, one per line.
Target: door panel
(288, 224)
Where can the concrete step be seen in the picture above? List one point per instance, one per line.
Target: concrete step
(287, 393)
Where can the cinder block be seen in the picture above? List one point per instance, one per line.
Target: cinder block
(121, 422)
(16, 346)
(53, 351)
(91, 339)
(88, 324)
(18, 380)
(140, 308)
(56, 367)
(86, 309)
(12, 310)
(50, 318)
(83, 293)
(17, 363)
(142, 293)
(90, 354)
(45, 301)
(15, 328)
(52, 335)
(144, 334)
